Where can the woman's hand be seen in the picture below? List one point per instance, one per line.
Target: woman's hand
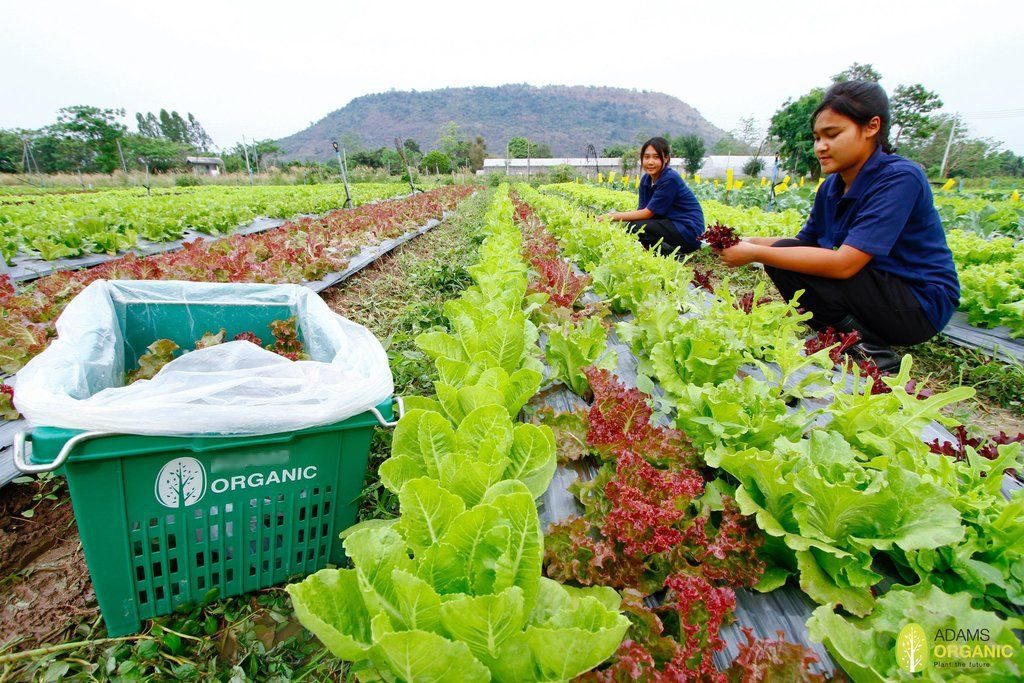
(739, 255)
(606, 216)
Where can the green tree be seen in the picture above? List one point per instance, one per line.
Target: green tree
(454, 144)
(911, 106)
(857, 72)
(730, 144)
(753, 167)
(1011, 164)
(264, 151)
(692, 150)
(436, 161)
(11, 151)
(412, 147)
(160, 154)
(477, 153)
(791, 125)
(197, 136)
(541, 150)
(749, 132)
(90, 136)
(518, 147)
(615, 151)
(391, 161)
(630, 160)
(148, 125)
(521, 148)
(173, 127)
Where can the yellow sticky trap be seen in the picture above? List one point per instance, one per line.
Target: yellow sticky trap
(785, 179)
(1015, 196)
(636, 182)
(764, 181)
(625, 180)
(781, 187)
(728, 179)
(801, 181)
(716, 182)
(820, 181)
(600, 177)
(949, 185)
(611, 177)
(738, 185)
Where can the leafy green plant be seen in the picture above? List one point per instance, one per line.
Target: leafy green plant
(572, 348)
(471, 606)
(867, 648)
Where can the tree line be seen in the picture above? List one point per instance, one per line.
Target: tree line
(918, 131)
(87, 139)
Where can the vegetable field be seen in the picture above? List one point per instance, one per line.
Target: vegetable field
(989, 260)
(55, 226)
(612, 466)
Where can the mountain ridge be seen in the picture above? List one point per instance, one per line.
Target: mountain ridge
(566, 118)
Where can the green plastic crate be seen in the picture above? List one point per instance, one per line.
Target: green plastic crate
(163, 520)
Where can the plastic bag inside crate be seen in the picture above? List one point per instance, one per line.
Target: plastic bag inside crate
(231, 388)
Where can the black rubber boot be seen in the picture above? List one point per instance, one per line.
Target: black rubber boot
(871, 346)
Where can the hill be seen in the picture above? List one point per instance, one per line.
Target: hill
(567, 118)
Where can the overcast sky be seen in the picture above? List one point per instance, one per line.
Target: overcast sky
(269, 69)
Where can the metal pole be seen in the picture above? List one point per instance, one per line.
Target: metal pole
(949, 144)
(527, 159)
(344, 176)
(124, 166)
(245, 150)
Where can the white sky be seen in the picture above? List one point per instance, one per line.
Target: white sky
(268, 69)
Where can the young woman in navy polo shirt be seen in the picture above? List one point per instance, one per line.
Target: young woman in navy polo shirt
(667, 211)
(872, 256)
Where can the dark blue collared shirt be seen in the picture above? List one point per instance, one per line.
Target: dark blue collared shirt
(889, 213)
(670, 198)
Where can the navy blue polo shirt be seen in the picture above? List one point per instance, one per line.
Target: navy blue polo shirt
(670, 198)
(889, 213)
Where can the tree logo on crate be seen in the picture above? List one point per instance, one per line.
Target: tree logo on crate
(181, 482)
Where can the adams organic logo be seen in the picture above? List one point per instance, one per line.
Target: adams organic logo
(912, 648)
(950, 648)
(181, 482)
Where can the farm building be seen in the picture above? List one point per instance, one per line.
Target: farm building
(205, 165)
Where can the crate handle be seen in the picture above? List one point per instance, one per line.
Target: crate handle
(22, 463)
(385, 423)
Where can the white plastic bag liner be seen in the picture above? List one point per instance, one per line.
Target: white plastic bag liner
(235, 388)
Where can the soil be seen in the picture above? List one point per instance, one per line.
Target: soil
(44, 583)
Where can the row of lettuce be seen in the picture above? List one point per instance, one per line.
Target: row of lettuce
(453, 589)
(990, 266)
(299, 251)
(852, 502)
(985, 212)
(54, 226)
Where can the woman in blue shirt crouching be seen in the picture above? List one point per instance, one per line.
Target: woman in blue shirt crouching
(667, 214)
(872, 256)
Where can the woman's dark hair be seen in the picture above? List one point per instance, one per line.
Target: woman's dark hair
(660, 146)
(859, 101)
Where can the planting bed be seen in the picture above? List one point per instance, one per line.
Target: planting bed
(613, 466)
